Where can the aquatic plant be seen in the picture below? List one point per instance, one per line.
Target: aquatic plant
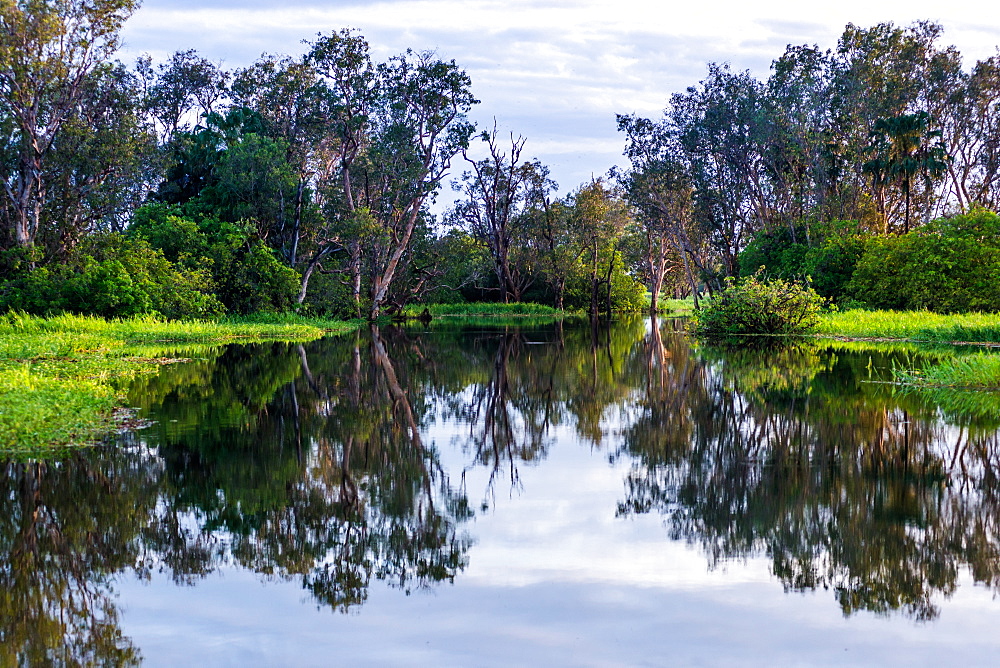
(757, 305)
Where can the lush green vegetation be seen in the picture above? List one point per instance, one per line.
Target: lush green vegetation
(756, 305)
(297, 183)
(61, 377)
(203, 192)
(676, 307)
(980, 371)
(912, 325)
(484, 309)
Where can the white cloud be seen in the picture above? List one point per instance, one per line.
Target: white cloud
(554, 71)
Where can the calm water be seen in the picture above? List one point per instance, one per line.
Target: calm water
(549, 495)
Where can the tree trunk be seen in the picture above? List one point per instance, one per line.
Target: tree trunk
(607, 280)
(355, 249)
(380, 286)
(593, 282)
(690, 277)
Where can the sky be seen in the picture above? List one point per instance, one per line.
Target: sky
(553, 71)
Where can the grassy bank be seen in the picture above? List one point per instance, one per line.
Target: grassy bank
(978, 371)
(912, 326)
(61, 377)
(484, 309)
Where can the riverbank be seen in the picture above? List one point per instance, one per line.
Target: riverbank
(922, 326)
(483, 309)
(61, 377)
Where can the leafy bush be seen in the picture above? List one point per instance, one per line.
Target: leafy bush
(829, 261)
(756, 305)
(830, 265)
(627, 293)
(246, 274)
(948, 266)
(111, 276)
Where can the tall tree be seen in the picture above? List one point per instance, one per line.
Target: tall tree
(497, 192)
(400, 124)
(47, 50)
(720, 127)
(599, 217)
(659, 189)
(903, 147)
(296, 106)
(182, 90)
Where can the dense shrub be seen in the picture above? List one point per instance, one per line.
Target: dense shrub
(627, 293)
(246, 274)
(756, 305)
(831, 265)
(948, 266)
(112, 276)
(828, 262)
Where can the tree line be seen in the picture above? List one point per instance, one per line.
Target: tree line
(307, 182)
(296, 182)
(840, 158)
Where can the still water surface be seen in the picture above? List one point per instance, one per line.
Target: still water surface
(557, 494)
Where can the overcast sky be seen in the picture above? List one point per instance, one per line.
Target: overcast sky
(555, 71)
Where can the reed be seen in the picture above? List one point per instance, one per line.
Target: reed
(978, 371)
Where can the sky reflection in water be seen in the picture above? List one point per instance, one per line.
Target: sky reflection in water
(547, 495)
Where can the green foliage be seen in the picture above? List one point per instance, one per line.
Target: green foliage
(980, 371)
(60, 376)
(678, 307)
(756, 305)
(627, 294)
(246, 275)
(831, 265)
(38, 412)
(950, 266)
(829, 261)
(112, 276)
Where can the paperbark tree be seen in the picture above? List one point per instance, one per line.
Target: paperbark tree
(47, 50)
(497, 193)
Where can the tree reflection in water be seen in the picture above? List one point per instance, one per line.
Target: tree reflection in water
(312, 464)
(786, 452)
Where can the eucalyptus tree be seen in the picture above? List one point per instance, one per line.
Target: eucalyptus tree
(102, 164)
(800, 167)
(497, 193)
(399, 125)
(295, 105)
(970, 124)
(182, 90)
(659, 189)
(49, 50)
(879, 73)
(720, 127)
(598, 219)
(558, 246)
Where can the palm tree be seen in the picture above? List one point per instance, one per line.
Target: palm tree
(905, 146)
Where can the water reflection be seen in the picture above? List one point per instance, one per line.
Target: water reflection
(316, 464)
(792, 453)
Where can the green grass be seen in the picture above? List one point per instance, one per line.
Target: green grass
(61, 377)
(484, 309)
(677, 306)
(978, 371)
(912, 326)
(950, 374)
